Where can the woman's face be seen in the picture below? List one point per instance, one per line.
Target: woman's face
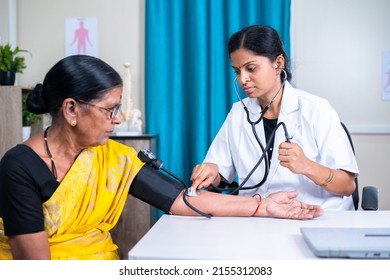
(257, 75)
(96, 123)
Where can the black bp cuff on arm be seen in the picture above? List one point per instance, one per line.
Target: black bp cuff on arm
(155, 188)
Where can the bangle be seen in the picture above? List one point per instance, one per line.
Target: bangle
(329, 179)
(258, 203)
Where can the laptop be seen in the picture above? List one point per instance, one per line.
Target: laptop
(339, 242)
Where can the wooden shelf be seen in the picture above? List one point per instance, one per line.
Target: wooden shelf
(10, 117)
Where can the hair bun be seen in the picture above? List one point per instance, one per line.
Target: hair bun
(35, 102)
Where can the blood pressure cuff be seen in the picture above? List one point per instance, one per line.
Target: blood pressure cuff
(155, 188)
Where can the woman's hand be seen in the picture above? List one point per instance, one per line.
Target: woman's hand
(284, 205)
(204, 175)
(292, 156)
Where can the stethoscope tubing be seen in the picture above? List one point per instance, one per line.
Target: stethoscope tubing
(264, 150)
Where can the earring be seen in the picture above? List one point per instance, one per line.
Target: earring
(276, 66)
(73, 123)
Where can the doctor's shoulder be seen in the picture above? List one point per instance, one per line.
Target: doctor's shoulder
(313, 102)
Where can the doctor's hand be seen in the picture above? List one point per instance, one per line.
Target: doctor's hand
(204, 175)
(285, 205)
(292, 156)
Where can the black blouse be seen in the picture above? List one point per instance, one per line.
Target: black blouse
(25, 184)
(269, 126)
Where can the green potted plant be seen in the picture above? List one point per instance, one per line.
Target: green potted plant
(29, 119)
(10, 64)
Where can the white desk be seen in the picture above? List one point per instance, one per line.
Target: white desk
(176, 237)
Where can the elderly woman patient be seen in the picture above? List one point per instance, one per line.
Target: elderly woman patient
(63, 190)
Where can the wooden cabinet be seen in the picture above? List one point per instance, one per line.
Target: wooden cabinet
(10, 117)
(137, 216)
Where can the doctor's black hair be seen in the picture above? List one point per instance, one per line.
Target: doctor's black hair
(262, 40)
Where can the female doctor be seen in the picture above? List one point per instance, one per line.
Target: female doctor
(309, 152)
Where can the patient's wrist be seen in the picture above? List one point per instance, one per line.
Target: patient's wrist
(262, 210)
(258, 201)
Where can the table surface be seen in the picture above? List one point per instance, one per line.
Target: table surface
(240, 238)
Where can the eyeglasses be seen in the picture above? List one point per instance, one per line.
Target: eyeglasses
(113, 112)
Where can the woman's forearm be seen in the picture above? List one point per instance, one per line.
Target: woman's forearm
(336, 181)
(32, 246)
(278, 205)
(215, 205)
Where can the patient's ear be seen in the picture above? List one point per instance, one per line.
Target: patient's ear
(70, 109)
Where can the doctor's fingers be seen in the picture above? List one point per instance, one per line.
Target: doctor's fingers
(292, 148)
(205, 169)
(286, 145)
(205, 180)
(195, 172)
(294, 166)
(201, 181)
(199, 171)
(200, 175)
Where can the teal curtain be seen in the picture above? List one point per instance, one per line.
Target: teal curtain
(189, 79)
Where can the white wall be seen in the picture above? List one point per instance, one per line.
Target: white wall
(41, 30)
(8, 22)
(337, 46)
(3, 21)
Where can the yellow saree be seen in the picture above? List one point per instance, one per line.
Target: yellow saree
(88, 204)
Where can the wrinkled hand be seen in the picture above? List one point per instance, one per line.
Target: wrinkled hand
(292, 156)
(205, 174)
(284, 205)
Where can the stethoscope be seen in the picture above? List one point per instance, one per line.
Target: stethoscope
(149, 158)
(264, 150)
(253, 123)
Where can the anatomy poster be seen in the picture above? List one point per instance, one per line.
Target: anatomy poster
(81, 36)
(386, 75)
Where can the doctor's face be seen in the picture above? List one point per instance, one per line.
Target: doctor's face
(257, 75)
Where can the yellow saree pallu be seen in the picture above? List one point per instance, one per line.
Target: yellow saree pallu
(89, 202)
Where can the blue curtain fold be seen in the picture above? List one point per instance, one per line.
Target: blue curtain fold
(189, 79)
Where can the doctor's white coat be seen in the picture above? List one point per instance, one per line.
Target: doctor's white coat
(311, 122)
